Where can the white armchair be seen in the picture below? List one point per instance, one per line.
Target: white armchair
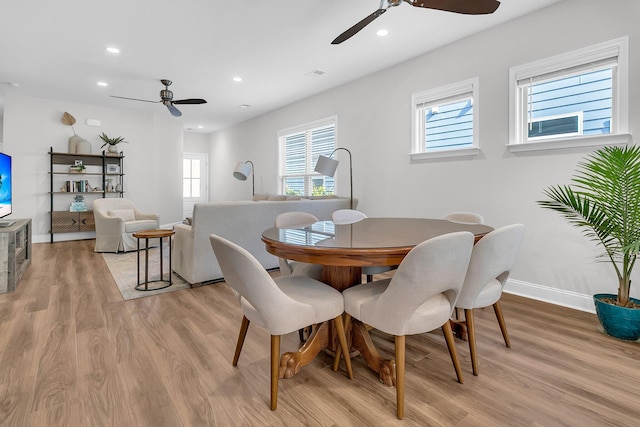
(116, 221)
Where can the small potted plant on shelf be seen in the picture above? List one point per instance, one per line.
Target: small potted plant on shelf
(111, 142)
(77, 168)
(604, 203)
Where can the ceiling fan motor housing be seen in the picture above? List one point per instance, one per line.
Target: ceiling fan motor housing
(166, 95)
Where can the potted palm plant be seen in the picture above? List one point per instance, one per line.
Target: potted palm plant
(604, 202)
(111, 142)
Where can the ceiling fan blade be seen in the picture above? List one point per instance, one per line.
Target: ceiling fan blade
(467, 7)
(173, 110)
(133, 99)
(359, 26)
(190, 101)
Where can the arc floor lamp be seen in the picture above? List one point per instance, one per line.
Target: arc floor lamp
(327, 166)
(242, 171)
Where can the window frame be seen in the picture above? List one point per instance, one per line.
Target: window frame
(310, 173)
(420, 101)
(614, 51)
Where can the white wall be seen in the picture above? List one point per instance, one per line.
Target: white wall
(152, 173)
(556, 262)
(196, 142)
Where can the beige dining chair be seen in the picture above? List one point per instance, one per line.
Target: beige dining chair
(282, 305)
(491, 261)
(297, 220)
(464, 217)
(351, 216)
(418, 298)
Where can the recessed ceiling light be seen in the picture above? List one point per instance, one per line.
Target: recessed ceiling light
(244, 106)
(200, 127)
(237, 79)
(112, 49)
(103, 84)
(382, 33)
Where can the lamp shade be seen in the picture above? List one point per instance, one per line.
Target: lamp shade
(326, 166)
(242, 171)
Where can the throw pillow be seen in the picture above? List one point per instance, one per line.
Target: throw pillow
(258, 197)
(277, 198)
(125, 214)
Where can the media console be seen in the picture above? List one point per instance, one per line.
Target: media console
(15, 253)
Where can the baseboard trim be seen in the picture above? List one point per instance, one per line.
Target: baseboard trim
(556, 296)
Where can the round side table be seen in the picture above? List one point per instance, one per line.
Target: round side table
(146, 235)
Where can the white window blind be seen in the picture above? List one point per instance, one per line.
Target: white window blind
(300, 147)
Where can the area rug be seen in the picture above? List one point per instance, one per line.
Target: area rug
(124, 269)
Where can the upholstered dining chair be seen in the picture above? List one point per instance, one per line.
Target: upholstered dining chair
(418, 298)
(280, 305)
(350, 216)
(491, 261)
(297, 220)
(464, 217)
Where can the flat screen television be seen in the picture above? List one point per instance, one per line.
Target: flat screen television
(5, 186)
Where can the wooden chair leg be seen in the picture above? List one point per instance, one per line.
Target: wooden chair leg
(244, 327)
(451, 345)
(471, 332)
(400, 355)
(336, 360)
(503, 326)
(275, 364)
(343, 345)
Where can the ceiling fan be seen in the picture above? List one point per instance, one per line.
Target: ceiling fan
(166, 97)
(467, 7)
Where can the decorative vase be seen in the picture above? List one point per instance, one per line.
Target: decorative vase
(619, 322)
(73, 144)
(112, 148)
(83, 147)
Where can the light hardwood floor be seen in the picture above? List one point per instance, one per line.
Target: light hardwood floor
(73, 353)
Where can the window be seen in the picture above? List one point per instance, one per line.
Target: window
(578, 98)
(300, 147)
(190, 178)
(445, 121)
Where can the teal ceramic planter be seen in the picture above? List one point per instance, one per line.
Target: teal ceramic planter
(619, 322)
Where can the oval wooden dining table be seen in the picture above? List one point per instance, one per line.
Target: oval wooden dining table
(343, 250)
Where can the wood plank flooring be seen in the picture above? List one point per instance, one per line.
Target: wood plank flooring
(73, 353)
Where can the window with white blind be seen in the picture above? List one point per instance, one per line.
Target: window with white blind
(574, 99)
(299, 148)
(445, 121)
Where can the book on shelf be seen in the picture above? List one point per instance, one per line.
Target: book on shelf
(78, 186)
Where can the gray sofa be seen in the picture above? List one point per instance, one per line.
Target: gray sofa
(242, 222)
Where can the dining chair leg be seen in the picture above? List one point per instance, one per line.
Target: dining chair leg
(400, 356)
(244, 327)
(336, 360)
(343, 346)
(275, 364)
(471, 332)
(503, 326)
(451, 345)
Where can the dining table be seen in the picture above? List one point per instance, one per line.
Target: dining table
(342, 250)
